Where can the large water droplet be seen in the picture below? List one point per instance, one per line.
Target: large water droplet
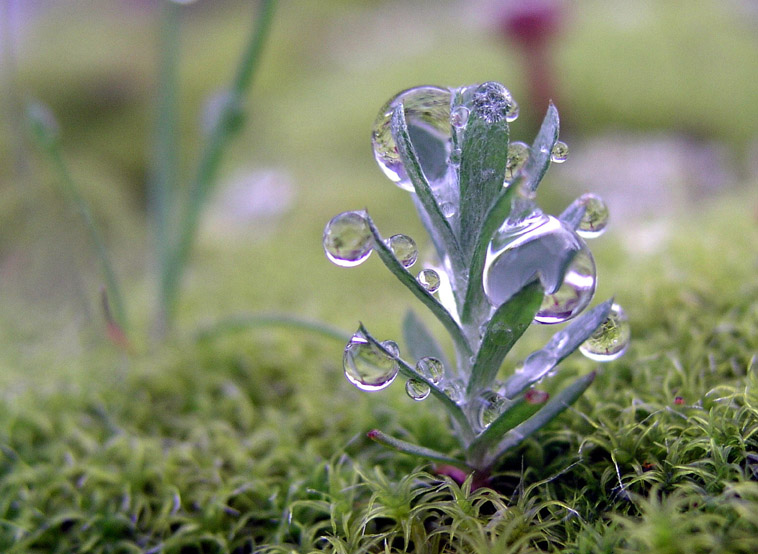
(518, 153)
(429, 279)
(595, 218)
(493, 102)
(347, 239)
(404, 249)
(574, 295)
(611, 339)
(538, 248)
(491, 405)
(431, 368)
(367, 367)
(427, 115)
(560, 152)
(417, 390)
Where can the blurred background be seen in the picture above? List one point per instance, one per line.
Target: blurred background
(658, 101)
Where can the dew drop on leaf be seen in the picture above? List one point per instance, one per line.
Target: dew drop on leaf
(429, 279)
(491, 405)
(427, 115)
(459, 117)
(404, 249)
(560, 152)
(391, 347)
(431, 368)
(595, 218)
(493, 102)
(453, 388)
(447, 209)
(611, 339)
(347, 239)
(417, 390)
(574, 294)
(366, 366)
(513, 111)
(518, 153)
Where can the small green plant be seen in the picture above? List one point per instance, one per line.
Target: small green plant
(501, 264)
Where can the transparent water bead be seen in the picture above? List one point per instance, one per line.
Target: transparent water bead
(429, 279)
(447, 209)
(560, 152)
(417, 390)
(513, 111)
(493, 102)
(595, 218)
(491, 405)
(431, 368)
(427, 115)
(391, 347)
(459, 117)
(611, 339)
(454, 389)
(367, 367)
(539, 248)
(347, 239)
(518, 153)
(404, 249)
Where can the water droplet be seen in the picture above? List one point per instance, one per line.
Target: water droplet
(453, 388)
(455, 157)
(513, 111)
(518, 153)
(391, 347)
(417, 390)
(347, 239)
(367, 367)
(427, 115)
(492, 101)
(574, 294)
(459, 117)
(538, 248)
(501, 334)
(404, 249)
(534, 396)
(431, 368)
(560, 152)
(447, 209)
(595, 218)
(429, 279)
(491, 405)
(611, 339)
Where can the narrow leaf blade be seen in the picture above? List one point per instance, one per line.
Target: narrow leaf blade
(420, 341)
(415, 450)
(513, 415)
(572, 216)
(539, 157)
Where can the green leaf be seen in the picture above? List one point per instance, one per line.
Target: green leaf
(572, 216)
(564, 342)
(436, 220)
(497, 214)
(539, 156)
(409, 372)
(484, 154)
(549, 411)
(405, 277)
(420, 341)
(415, 450)
(506, 326)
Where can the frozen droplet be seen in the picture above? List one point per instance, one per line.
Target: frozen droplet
(611, 339)
(541, 247)
(454, 389)
(595, 218)
(518, 153)
(427, 116)
(491, 405)
(574, 294)
(534, 396)
(559, 153)
(417, 390)
(447, 209)
(513, 111)
(366, 366)
(429, 279)
(391, 347)
(431, 368)
(347, 239)
(404, 249)
(459, 117)
(493, 102)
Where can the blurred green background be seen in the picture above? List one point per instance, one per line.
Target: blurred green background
(659, 105)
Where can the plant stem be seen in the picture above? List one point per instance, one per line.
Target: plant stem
(225, 126)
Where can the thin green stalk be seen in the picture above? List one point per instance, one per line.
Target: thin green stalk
(163, 182)
(225, 126)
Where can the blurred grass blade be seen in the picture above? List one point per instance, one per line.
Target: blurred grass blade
(419, 341)
(412, 166)
(549, 411)
(506, 326)
(405, 277)
(564, 342)
(415, 450)
(44, 131)
(539, 156)
(484, 154)
(410, 372)
(243, 322)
